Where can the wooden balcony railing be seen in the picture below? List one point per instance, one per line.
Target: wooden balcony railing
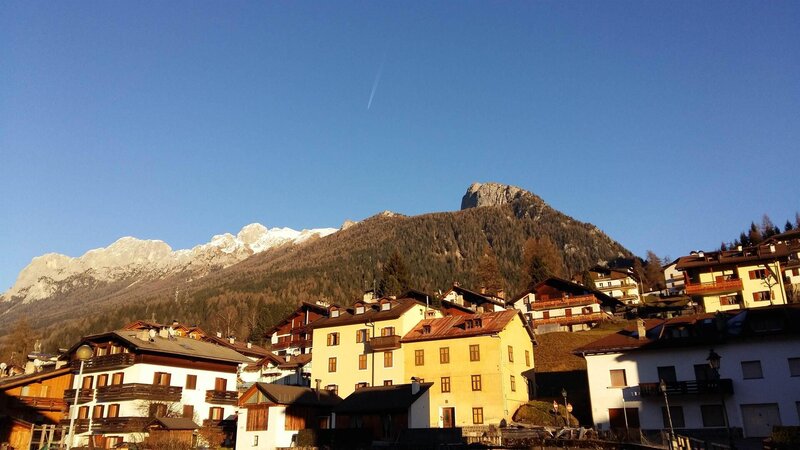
(711, 287)
(304, 343)
(106, 362)
(120, 424)
(46, 403)
(222, 397)
(563, 301)
(381, 343)
(84, 396)
(81, 425)
(139, 391)
(692, 387)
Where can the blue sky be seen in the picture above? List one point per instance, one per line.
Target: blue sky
(670, 125)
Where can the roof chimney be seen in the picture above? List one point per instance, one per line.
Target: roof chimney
(414, 385)
(501, 294)
(249, 345)
(641, 329)
(231, 339)
(772, 248)
(219, 334)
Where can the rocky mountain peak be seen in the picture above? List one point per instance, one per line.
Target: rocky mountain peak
(491, 194)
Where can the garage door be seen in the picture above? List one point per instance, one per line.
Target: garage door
(759, 419)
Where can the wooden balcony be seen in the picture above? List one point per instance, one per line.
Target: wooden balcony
(302, 343)
(382, 343)
(120, 424)
(723, 386)
(84, 396)
(81, 425)
(222, 397)
(106, 362)
(46, 403)
(713, 287)
(139, 391)
(571, 320)
(562, 302)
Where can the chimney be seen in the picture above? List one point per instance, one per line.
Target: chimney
(772, 248)
(219, 334)
(641, 329)
(701, 254)
(414, 385)
(501, 294)
(231, 339)
(142, 335)
(249, 345)
(164, 333)
(739, 247)
(175, 323)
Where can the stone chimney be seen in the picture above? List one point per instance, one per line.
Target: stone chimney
(641, 329)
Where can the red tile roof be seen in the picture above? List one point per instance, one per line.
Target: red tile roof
(460, 326)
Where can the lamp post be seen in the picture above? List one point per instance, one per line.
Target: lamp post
(714, 363)
(663, 387)
(566, 414)
(83, 353)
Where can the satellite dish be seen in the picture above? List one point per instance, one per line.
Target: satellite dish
(152, 333)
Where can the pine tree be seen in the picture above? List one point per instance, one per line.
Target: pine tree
(394, 276)
(489, 276)
(723, 246)
(542, 260)
(767, 227)
(754, 235)
(788, 226)
(653, 273)
(744, 239)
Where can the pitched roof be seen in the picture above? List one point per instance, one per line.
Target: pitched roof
(175, 423)
(475, 297)
(458, 326)
(372, 312)
(701, 330)
(245, 348)
(754, 254)
(393, 398)
(571, 288)
(303, 306)
(282, 394)
(20, 380)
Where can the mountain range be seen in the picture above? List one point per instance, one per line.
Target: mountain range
(238, 284)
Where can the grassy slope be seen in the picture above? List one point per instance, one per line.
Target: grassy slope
(554, 352)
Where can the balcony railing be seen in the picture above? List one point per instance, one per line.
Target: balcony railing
(139, 391)
(563, 301)
(722, 386)
(106, 362)
(304, 343)
(570, 320)
(81, 425)
(381, 343)
(84, 396)
(120, 424)
(222, 397)
(45, 403)
(711, 287)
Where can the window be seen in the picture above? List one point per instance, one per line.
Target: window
(333, 339)
(426, 329)
(255, 440)
(676, 413)
(117, 378)
(334, 313)
(220, 384)
(215, 413)
(444, 355)
(510, 354)
(362, 362)
(388, 359)
(361, 335)
(360, 309)
(387, 331)
(667, 373)
(794, 367)
(759, 274)
(762, 296)
(97, 412)
(361, 385)
(527, 358)
(83, 412)
(419, 357)
(619, 418)
(191, 381)
(545, 314)
(87, 382)
(386, 306)
(445, 384)
(113, 410)
(474, 352)
(476, 382)
(332, 364)
(712, 415)
(188, 411)
(730, 299)
(157, 410)
(618, 378)
(703, 372)
(751, 370)
(257, 418)
(332, 388)
(102, 380)
(477, 416)
(387, 382)
(161, 378)
(513, 384)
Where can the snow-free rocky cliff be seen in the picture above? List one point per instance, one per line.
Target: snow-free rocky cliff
(130, 257)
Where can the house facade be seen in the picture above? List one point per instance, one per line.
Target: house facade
(462, 299)
(381, 413)
(134, 376)
(674, 279)
(619, 283)
(359, 346)
(291, 336)
(756, 386)
(475, 363)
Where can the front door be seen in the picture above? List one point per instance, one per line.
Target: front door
(448, 417)
(759, 419)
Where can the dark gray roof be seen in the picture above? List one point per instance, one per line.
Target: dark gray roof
(297, 395)
(381, 399)
(175, 423)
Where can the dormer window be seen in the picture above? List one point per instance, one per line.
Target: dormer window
(426, 329)
(478, 323)
(360, 309)
(386, 306)
(334, 312)
(468, 324)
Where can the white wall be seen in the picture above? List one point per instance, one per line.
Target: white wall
(420, 411)
(274, 436)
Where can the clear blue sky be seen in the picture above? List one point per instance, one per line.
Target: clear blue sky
(670, 125)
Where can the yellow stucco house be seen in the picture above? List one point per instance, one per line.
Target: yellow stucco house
(359, 346)
(476, 363)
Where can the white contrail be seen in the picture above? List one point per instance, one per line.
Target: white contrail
(375, 84)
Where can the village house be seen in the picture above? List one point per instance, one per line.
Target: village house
(620, 283)
(291, 336)
(476, 363)
(737, 370)
(134, 376)
(458, 300)
(288, 369)
(384, 412)
(674, 279)
(556, 304)
(745, 277)
(271, 415)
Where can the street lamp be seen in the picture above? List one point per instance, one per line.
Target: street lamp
(663, 387)
(566, 414)
(714, 363)
(83, 353)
